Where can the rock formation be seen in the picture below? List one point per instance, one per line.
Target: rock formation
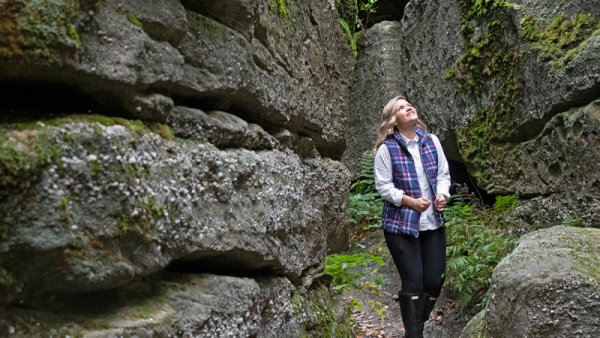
(202, 136)
(548, 287)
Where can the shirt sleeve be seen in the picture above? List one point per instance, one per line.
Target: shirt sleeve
(443, 177)
(382, 172)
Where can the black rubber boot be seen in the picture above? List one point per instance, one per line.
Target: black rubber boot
(411, 308)
(428, 304)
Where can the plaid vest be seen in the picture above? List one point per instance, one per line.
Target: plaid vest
(405, 220)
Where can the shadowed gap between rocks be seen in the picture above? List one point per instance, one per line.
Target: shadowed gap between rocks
(385, 10)
(31, 100)
(531, 129)
(238, 102)
(25, 100)
(236, 263)
(245, 105)
(463, 183)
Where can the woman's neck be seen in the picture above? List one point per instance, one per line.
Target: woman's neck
(409, 132)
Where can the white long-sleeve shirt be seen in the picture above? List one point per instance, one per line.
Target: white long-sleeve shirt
(385, 185)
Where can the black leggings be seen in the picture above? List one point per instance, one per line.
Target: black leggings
(420, 261)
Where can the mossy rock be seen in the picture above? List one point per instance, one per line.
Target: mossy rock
(39, 31)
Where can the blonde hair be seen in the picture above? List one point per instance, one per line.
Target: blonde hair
(387, 123)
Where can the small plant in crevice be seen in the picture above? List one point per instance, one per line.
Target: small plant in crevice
(133, 19)
(571, 222)
(350, 35)
(477, 239)
(350, 21)
(368, 7)
(345, 269)
(282, 8)
(378, 308)
(365, 203)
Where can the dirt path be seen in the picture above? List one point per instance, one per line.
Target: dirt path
(376, 313)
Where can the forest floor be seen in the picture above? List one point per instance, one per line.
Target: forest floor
(376, 312)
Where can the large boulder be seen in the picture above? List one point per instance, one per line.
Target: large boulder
(548, 287)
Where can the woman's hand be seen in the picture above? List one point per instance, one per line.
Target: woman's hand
(440, 202)
(420, 204)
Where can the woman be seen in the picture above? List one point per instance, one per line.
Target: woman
(411, 174)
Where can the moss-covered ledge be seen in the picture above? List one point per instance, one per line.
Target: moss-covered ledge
(25, 147)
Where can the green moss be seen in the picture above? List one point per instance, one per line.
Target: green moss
(297, 303)
(96, 169)
(73, 34)
(350, 36)
(143, 220)
(449, 73)
(582, 246)
(123, 224)
(68, 215)
(45, 151)
(488, 68)
(133, 19)
(135, 126)
(282, 8)
(24, 152)
(6, 280)
(4, 231)
(38, 30)
(163, 130)
(561, 38)
(13, 159)
(150, 208)
(321, 318)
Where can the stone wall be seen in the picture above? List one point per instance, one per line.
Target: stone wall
(137, 136)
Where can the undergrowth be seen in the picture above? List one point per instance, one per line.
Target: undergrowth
(365, 209)
(365, 203)
(344, 269)
(478, 238)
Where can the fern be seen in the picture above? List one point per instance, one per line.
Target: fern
(365, 203)
(342, 269)
(477, 241)
(505, 203)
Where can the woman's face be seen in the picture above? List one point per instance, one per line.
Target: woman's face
(406, 114)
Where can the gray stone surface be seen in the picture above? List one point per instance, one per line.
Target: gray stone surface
(238, 56)
(115, 203)
(377, 79)
(205, 178)
(173, 305)
(548, 287)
